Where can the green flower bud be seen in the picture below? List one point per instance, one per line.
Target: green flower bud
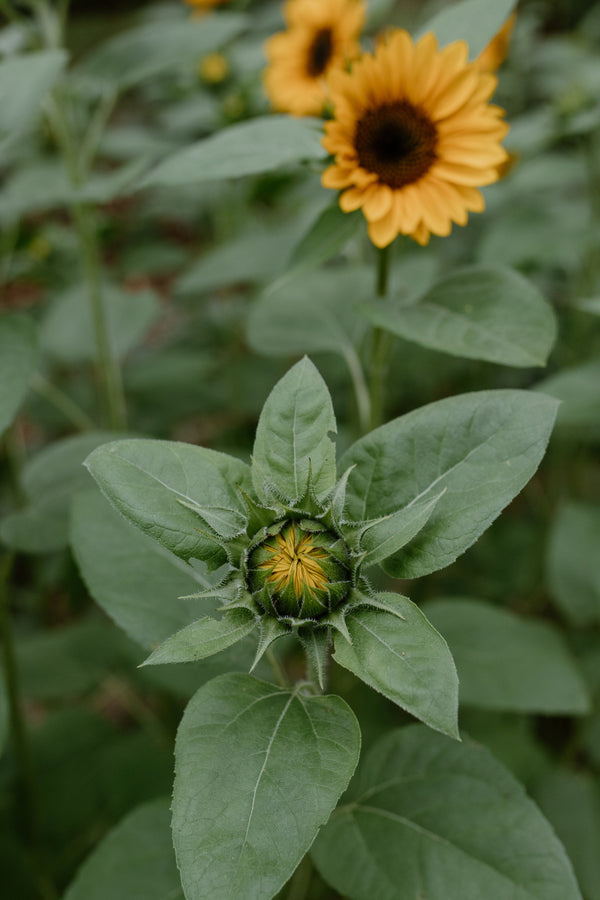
(302, 571)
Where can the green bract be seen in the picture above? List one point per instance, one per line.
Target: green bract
(293, 543)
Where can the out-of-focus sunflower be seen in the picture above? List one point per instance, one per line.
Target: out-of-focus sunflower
(492, 56)
(322, 36)
(413, 137)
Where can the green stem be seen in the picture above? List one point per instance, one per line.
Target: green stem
(361, 390)
(381, 346)
(62, 402)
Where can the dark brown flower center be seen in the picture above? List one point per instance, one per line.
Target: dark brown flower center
(397, 142)
(319, 52)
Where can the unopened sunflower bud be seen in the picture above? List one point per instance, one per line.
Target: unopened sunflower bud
(302, 571)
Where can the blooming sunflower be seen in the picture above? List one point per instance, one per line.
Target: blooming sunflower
(413, 137)
(322, 36)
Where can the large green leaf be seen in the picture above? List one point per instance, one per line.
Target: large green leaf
(481, 447)
(573, 563)
(507, 662)
(405, 659)
(312, 314)
(24, 82)
(473, 21)
(68, 332)
(135, 861)
(183, 496)
(155, 48)
(258, 770)
(18, 359)
(50, 480)
(483, 312)
(204, 638)
(292, 438)
(257, 145)
(578, 389)
(428, 817)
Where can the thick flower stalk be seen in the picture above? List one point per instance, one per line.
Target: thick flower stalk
(321, 37)
(413, 137)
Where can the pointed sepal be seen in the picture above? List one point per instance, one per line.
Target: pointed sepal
(315, 642)
(270, 630)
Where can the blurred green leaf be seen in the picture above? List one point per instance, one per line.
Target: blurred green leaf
(473, 21)
(311, 315)
(578, 389)
(153, 49)
(204, 638)
(482, 447)
(3, 715)
(24, 82)
(240, 829)
(506, 662)
(432, 817)
(257, 145)
(571, 800)
(573, 563)
(405, 659)
(183, 496)
(50, 480)
(483, 312)
(134, 862)
(67, 332)
(18, 359)
(329, 234)
(292, 437)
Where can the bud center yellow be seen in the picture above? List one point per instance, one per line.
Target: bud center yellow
(294, 561)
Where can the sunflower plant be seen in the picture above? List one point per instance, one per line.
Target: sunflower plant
(294, 541)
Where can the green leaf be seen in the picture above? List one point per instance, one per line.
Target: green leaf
(427, 817)
(257, 145)
(134, 862)
(134, 579)
(181, 495)
(571, 800)
(506, 662)
(18, 359)
(204, 638)
(483, 312)
(154, 49)
(473, 21)
(292, 437)
(573, 564)
(327, 236)
(388, 535)
(258, 770)
(24, 82)
(68, 331)
(578, 389)
(50, 480)
(311, 315)
(406, 661)
(481, 447)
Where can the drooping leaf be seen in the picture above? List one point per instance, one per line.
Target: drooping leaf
(18, 359)
(258, 770)
(481, 447)
(50, 480)
(257, 145)
(292, 437)
(311, 315)
(406, 660)
(573, 563)
(434, 818)
(329, 234)
(204, 638)
(155, 48)
(508, 662)
(473, 21)
(135, 861)
(181, 495)
(483, 312)
(24, 82)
